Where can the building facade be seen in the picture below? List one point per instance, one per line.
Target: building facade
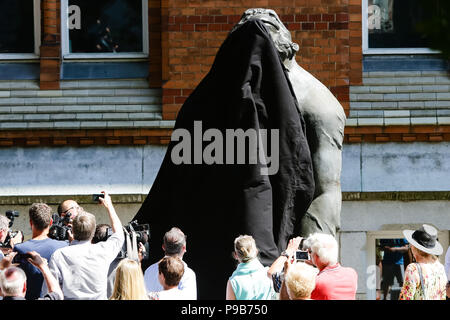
(89, 91)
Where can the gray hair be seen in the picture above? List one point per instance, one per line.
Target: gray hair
(12, 281)
(83, 226)
(324, 246)
(174, 241)
(4, 223)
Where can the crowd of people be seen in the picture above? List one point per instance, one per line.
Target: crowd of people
(87, 265)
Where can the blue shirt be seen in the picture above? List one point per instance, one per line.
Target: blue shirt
(393, 257)
(45, 248)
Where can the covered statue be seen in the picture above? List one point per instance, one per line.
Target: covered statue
(255, 150)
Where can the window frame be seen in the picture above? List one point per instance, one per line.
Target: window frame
(103, 55)
(37, 38)
(365, 40)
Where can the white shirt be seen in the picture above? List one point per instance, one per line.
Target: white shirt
(447, 264)
(82, 268)
(188, 283)
(171, 294)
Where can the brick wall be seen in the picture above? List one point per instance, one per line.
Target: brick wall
(50, 58)
(327, 31)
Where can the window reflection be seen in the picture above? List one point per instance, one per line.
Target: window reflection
(393, 23)
(105, 26)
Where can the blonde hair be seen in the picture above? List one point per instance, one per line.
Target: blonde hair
(300, 281)
(129, 282)
(245, 248)
(424, 255)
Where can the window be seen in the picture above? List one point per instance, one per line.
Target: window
(19, 29)
(104, 28)
(389, 26)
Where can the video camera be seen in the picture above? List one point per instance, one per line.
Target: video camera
(11, 214)
(142, 233)
(59, 228)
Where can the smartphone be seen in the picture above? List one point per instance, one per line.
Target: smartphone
(95, 197)
(301, 255)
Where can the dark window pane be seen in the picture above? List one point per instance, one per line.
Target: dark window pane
(393, 23)
(105, 26)
(16, 26)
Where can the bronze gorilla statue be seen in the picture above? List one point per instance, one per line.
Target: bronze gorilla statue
(325, 121)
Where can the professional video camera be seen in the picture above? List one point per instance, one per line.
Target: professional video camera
(59, 228)
(11, 214)
(142, 234)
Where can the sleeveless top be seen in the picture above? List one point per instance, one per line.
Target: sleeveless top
(250, 282)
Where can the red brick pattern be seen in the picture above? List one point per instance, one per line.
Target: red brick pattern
(155, 43)
(367, 134)
(194, 30)
(50, 51)
(32, 138)
(422, 133)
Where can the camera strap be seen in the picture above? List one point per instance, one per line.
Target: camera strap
(131, 243)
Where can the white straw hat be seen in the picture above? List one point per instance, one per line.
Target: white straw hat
(425, 239)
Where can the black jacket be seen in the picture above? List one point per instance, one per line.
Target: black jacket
(247, 87)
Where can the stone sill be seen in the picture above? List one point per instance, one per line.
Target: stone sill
(139, 198)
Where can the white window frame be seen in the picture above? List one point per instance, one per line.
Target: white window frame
(37, 38)
(365, 40)
(104, 55)
(372, 236)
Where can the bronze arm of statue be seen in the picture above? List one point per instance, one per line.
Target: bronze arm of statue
(325, 122)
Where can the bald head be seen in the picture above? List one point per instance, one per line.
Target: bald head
(68, 206)
(13, 282)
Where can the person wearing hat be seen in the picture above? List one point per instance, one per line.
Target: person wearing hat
(425, 279)
(447, 271)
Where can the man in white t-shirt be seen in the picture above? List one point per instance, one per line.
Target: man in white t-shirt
(174, 244)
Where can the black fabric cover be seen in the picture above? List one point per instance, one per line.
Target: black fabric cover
(247, 87)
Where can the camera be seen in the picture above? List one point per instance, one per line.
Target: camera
(142, 234)
(302, 255)
(59, 229)
(11, 214)
(142, 231)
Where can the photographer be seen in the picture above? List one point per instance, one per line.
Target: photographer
(275, 271)
(102, 233)
(62, 222)
(40, 222)
(334, 282)
(82, 267)
(7, 243)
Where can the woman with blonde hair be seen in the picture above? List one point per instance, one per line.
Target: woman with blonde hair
(249, 281)
(425, 279)
(129, 282)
